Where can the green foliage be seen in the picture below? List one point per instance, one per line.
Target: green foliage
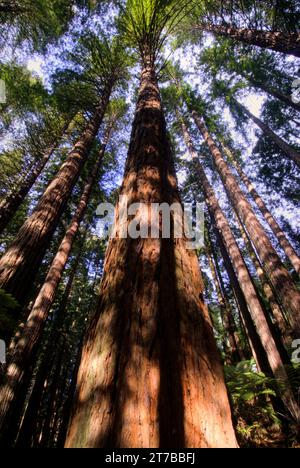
(146, 24)
(37, 21)
(245, 384)
(7, 320)
(95, 61)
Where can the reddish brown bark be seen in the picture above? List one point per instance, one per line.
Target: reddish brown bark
(28, 425)
(269, 294)
(279, 234)
(19, 264)
(245, 281)
(21, 354)
(291, 153)
(150, 374)
(287, 43)
(287, 291)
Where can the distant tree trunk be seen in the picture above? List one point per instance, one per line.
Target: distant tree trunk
(67, 407)
(287, 291)
(231, 347)
(245, 281)
(287, 43)
(257, 349)
(231, 319)
(275, 307)
(20, 263)
(291, 153)
(29, 420)
(150, 374)
(271, 91)
(31, 333)
(277, 231)
(14, 200)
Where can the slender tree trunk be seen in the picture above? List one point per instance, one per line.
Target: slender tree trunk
(279, 234)
(275, 307)
(20, 263)
(30, 335)
(51, 407)
(29, 419)
(231, 319)
(287, 291)
(287, 43)
(14, 200)
(150, 374)
(67, 407)
(271, 91)
(245, 281)
(291, 153)
(257, 349)
(231, 348)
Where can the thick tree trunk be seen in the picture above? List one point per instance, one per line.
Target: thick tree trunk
(14, 200)
(20, 263)
(291, 153)
(279, 234)
(245, 281)
(287, 43)
(30, 335)
(271, 91)
(150, 374)
(287, 291)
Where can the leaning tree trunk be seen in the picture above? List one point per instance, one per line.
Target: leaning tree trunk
(290, 153)
(276, 309)
(256, 347)
(287, 43)
(287, 100)
(150, 374)
(287, 291)
(14, 200)
(20, 263)
(245, 281)
(21, 355)
(277, 231)
(29, 418)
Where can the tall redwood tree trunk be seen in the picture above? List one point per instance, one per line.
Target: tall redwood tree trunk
(287, 43)
(19, 264)
(277, 231)
(276, 310)
(291, 153)
(280, 278)
(21, 355)
(150, 374)
(245, 281)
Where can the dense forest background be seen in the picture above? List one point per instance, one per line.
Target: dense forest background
(145, 343)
